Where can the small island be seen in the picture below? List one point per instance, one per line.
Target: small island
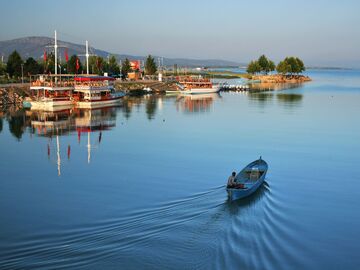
(288, 71)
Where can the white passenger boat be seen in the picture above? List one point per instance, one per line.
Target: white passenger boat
(95, 92)
(48, 92)
(197, 85)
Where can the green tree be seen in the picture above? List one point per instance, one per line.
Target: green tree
(283, 67)
(263, 63)
(291, 65)
(49, 64)
(31, 66)
(113, 66)
(150, 66)
(253, 67)
(2, 68)
(271, 66)
(301, 66)
(125, 68)
(96, 65)
(294, 66)
(13, 66)
(71, 65)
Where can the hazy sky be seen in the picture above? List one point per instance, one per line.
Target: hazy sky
(320, 32)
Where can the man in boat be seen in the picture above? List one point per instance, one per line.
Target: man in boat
(232, 182)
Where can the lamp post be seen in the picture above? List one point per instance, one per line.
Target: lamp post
(22, 73)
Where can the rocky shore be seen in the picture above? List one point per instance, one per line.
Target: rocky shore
(278, 78)
(11, 96)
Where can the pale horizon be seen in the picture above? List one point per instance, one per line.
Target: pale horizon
(322, 33)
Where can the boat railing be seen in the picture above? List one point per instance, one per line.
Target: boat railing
(52, 84)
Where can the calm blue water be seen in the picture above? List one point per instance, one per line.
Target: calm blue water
(142, 186)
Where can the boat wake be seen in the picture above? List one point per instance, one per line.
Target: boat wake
(128, 236)
(206, 228)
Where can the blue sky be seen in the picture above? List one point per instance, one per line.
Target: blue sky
(325, 33)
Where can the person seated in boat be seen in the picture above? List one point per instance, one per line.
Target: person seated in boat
(232, 182)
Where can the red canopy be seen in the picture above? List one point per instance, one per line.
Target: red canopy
(93, 78)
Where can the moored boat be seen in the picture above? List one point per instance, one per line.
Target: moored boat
(197, 85)
(95, 92)
(248, 180)
(49, 92)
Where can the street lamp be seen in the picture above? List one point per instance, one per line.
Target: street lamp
(22, 73)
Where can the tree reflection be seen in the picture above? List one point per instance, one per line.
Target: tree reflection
(261, 98)
(289, 98)
(126, 107)
(151, 107)
(1, 124)
(17, 124)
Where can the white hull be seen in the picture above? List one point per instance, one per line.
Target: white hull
(98, 104)
(214, 89)
(50, 105)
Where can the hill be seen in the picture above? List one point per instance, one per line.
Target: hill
(34, 47)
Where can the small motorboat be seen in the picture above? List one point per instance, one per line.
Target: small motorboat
(248, 180)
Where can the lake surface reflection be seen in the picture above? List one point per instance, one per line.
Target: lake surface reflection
(142, 185)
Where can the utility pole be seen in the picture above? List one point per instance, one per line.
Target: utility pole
(22, 73)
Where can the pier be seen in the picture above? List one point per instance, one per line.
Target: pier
(234, 87)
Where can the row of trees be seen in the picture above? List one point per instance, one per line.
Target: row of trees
(290, 65)
(15, 66)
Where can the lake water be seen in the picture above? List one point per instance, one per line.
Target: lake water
(142, 186)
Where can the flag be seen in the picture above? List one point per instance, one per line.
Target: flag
(77, 64)
(45, 56)
(66, 55)
(135, 65)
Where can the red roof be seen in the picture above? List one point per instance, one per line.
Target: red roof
(93, 78)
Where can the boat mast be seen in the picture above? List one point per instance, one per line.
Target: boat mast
(87, 58)
(55, 47)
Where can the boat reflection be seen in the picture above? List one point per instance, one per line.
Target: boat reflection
(196, 103)
(69, 122)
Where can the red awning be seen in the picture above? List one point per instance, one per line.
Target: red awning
(94, 78)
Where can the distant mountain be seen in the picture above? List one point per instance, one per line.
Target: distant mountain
(34, 47)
